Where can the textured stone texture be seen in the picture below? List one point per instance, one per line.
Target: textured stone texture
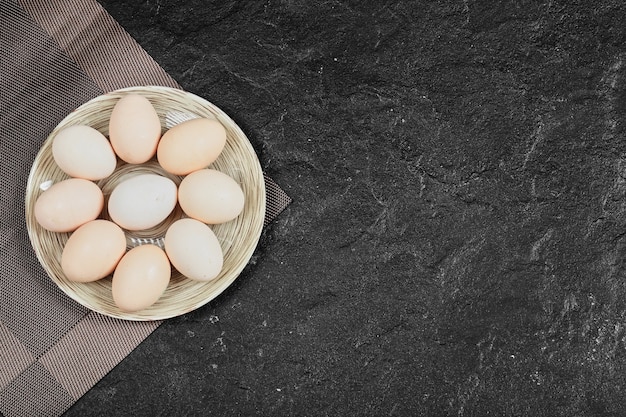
(454, 247)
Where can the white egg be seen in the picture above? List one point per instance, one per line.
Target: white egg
(142, 201)
(83, 152)
(194, 250)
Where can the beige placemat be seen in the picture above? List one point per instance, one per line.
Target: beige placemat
(54, 56)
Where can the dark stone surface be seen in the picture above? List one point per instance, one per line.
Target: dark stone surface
(455, 244)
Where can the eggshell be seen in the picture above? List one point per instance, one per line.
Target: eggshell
(68, 204)
(191, 145)
(134, 129)
(141, 277)
(93, 251)
(210, 196)
(83, 152)
(194, 250)
(142, 201)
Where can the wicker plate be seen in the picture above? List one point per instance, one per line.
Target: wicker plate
(238, 237)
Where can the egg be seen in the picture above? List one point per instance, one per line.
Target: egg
(68, 204)
(93, 251)
(142, 201)
(210, 196)
(141, 277)
(191, 145)
(83, 152)
(134, 129)
(194, 250)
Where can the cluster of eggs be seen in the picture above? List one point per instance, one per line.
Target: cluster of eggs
(96, 247)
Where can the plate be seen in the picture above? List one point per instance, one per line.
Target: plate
(238, 238)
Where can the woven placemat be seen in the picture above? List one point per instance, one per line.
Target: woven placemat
(56, 55)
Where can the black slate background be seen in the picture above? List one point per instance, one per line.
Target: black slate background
(456, 241)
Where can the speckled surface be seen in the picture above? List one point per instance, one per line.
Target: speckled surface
(456, 238)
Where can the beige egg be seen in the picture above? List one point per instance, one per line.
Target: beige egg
(141, 277)
(93, 251)
(68, 204)
(194, 250)
(191, 145)
(210, 196)
(142, 201)
(83, 152)
(134, 129)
